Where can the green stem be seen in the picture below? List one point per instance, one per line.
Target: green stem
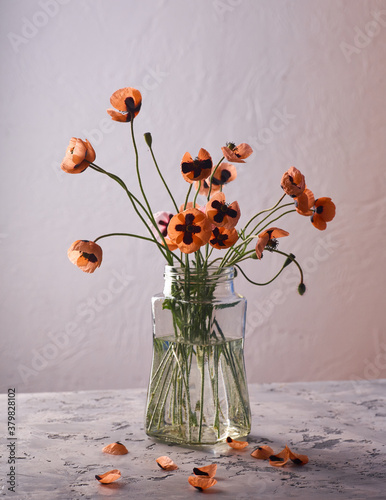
(163, 180)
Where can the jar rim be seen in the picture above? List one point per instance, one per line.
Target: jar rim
(210, 272)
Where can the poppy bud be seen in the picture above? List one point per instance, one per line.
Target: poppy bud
(148, 138)
(302, 289)
(288, 260)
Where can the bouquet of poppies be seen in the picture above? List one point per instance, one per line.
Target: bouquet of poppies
(199, 237)
(193, 228)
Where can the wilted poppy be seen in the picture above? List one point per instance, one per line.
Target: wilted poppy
(237, 445)
(189, 230)
(128, 102)
(223, 238)
(293, 182)
(197, 169)
(268, 239)
(262, 452)
(79, 155)
(85, 254)
(201, 482)
(237, 154)
(166, 463)
(304, 202)
(220, 213)
(280, 459)
(109, 477)
(324, 211)
(206, 470)
(162, 220)
(115, 449)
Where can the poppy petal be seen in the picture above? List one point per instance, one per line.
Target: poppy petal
(280, 459)
(206, 470)
(115, 449)
(166, 463)
(298, 459)
(293, 182)
(236, 445)
(109, 477)
(201, 482)
(262, 452)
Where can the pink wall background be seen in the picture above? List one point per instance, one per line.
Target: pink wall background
(302, 81)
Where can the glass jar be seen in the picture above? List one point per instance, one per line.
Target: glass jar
(198, 390)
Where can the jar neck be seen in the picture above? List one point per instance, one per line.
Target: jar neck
(199, 284)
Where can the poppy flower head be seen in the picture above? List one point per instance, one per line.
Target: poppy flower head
(222, 238)
(189, 230)
(237, 154)
(225, 173)
(220, 213)
(304, 202)
(85, 254)
(324, 211)
(267, 239)
(162, 220)
(293, 182)
(198, 169)
(128, 102)
(79, 155)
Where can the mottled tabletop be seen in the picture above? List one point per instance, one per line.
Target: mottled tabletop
(58, 438)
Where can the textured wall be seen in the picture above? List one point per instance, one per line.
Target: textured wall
(302, 81)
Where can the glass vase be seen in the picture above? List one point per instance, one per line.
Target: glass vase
(198, 389)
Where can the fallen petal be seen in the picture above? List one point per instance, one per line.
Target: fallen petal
(298, 459)
(201, 482)
(109, 477)
(207, 470)
(280, 459)
(115, 449)
(262, 452)
(237, 445)
(166, 463)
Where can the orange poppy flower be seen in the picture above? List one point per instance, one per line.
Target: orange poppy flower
(197, 169)
(225, 173)
(304, 202)
(236, 445)
(324, 211)
(115, 449)
(166, 463)
(262, 452)
(220, 213)
(79, 155)
(223, 238)
(237, 154)
(85, 254)
(280, 459)
(268, 239)
(128, 102)
(189, 230)
(207, 470)
(201, 482)
(293, 182)
(109, 477)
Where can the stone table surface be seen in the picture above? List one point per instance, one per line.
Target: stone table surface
(339, 425)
